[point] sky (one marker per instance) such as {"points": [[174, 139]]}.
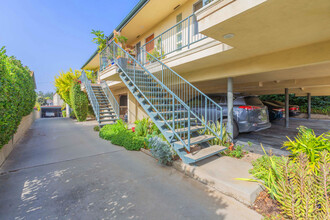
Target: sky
{"points": [[50, 36]]}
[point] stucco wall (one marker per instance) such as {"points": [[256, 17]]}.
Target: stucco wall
{"points": [[22, 129]]}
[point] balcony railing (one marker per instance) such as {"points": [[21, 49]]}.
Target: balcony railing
{"points": [[181, 35]]}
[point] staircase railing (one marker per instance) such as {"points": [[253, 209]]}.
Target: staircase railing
{"points": [[110, 98], [146, 83], [181, 35], [203, 108], [91, 95]]}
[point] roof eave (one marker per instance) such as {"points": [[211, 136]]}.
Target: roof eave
{"points": [[122, 24]]}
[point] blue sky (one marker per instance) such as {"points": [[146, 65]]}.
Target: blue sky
{"points": [[54, 35]]}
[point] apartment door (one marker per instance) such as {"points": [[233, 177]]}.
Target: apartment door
{"points": [[150, 46]]}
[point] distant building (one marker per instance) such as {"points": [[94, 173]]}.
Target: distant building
{"points": [[57, 100]]}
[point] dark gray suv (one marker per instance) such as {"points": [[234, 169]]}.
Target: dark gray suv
{"points": [[250, 114]]}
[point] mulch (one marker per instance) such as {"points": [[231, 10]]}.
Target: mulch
{"points": [[267, 206]]}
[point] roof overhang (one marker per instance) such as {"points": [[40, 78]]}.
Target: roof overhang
{"points": [[122, 24]]}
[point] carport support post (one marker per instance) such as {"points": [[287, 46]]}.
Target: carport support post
{"points": [[230, 100], [286, 107], [309, 103]]}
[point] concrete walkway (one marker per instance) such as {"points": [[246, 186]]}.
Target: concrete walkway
{"points": [[63, 170]]}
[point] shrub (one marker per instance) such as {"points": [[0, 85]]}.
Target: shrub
{"points": [[64, 81], [64, 113], [310, 144], [96, 128], [17, 95], [79, 101], [160, 150], [225, 141], [302, 193], [119, 135], [237, 152], [146, 127]]}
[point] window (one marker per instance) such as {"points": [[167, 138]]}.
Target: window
{"points": [[179, 31], [198, 5]]}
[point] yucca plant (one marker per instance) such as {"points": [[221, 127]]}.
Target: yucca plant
{"points": [[303, 193], [310, 144]]}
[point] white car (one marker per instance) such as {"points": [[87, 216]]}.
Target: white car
{"points": [[50, 114]]}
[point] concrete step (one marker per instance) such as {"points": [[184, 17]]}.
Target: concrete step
{"points": [[205, 153], [196, 140]]}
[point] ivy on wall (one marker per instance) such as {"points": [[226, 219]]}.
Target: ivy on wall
{"points": [[17, 95]]}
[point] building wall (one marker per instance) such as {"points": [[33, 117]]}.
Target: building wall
{"points": [[23, 127], [186, 10], [57, 100]]}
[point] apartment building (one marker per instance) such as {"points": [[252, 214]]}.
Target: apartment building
{"points": [[198, 47]]}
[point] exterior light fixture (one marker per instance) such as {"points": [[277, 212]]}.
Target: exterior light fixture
{"points": [[228, 36]]}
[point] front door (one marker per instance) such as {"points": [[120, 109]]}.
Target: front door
{"points": [[150, 46]]}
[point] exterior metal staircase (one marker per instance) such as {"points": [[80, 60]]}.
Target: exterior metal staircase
{"points": [[177, 108], [105, 106]]}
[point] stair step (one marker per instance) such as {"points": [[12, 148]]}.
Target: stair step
{"points": [[205, 153], [107, 112], [178, 120], [167, 105], [153, 88], [160, 99], [197, 140], [107, 116], [105, 108], [171, 112], [112, 119], [185, 130]]}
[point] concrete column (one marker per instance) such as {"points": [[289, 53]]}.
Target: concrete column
{"points": [[287, 107], [230, 100], [309, 105], [67, 109]]}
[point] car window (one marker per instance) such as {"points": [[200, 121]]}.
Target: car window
{"points": [[252, 100]]}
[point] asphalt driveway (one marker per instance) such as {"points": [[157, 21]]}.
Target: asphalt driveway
{"points": [[63, 170]]}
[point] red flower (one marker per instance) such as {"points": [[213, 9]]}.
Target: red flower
{"points": [[133, 129]]}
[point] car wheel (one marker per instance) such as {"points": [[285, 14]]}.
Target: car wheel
{"points": [[235, 127]]}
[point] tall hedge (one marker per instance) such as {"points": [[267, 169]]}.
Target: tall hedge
{"points": [[79, 101], [17, 95]]}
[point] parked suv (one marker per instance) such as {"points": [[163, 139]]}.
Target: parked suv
{"points": [[250, 114]]}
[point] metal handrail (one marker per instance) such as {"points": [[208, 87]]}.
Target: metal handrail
{"points": [[132, 69], [111, 98], [181, 35], [91, 95], [203, 107]]}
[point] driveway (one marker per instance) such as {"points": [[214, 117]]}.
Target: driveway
{"points": [[273, 138], [63, 170]]}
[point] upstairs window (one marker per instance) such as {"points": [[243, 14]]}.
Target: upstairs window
{"points": [[179, 31]]}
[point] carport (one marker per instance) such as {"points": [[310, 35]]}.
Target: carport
{"points": [[289, 81], [56, 110]]}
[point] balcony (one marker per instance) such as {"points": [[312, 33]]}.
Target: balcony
{"points": [[181, 47]]}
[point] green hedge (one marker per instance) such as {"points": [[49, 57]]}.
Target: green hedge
{"points": [[17, 95], [320, 104], [79, 101], [119, 135]]}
